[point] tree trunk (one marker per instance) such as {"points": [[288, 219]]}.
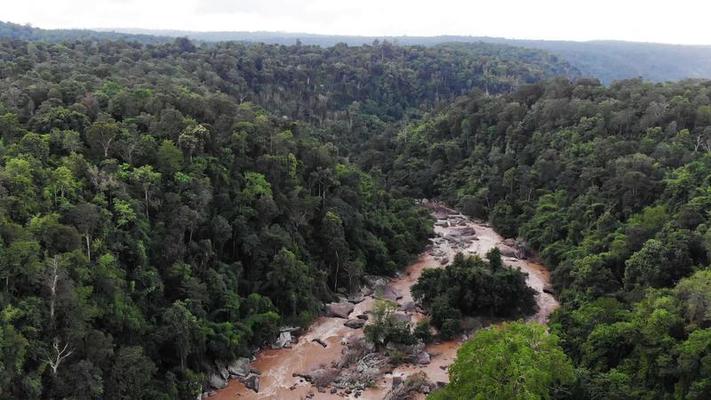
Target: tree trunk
{"points": [[88, 246]]}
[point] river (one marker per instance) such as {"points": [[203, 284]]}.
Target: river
{"points": [[279, 366]]}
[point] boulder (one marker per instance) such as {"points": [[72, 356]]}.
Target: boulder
{"points": [[355, 299], [408, 307], [320, 377], [223, 371], [507, 251], [239, 368], [364, 317], [388, 293], [423, 358], [520, 248], [216, 381], [283, 340], [339, 310], [374, 281], [252, 382], [354, 323]]}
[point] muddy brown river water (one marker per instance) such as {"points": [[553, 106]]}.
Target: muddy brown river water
{"points": [[279, 366]]}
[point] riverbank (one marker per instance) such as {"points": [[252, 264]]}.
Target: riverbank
{"points": [[281, 369]]}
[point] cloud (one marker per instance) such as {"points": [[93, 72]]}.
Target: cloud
{"points": [[684, 21], [269, 7]]}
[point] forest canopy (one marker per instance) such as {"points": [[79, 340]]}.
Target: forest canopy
{"points": [[166, 206], [610, 185]]}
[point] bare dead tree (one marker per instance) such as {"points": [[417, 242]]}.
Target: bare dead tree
{"points": [[52, 281], [59, 355], [702, 142]]}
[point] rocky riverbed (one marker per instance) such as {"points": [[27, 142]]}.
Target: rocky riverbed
{"points": [[331, 359]]}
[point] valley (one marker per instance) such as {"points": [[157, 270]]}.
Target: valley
{"points": [[281, 369]]}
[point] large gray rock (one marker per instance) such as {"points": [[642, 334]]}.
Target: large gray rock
{"points": [[354, 323], [252, 382], [519, 248], [507, 251], [282, 341], [509, 242], [224, 373], [339, 310], [408, 307], [388, 293], [239, 368], [355, 298], [320, 377], [216, 381], [423, 358], [373, 281]]}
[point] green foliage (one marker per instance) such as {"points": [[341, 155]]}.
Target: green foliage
{"points": [[155, 219], [510, 361], [610, 185], [187, 199], [386, 328], [470, 286]]}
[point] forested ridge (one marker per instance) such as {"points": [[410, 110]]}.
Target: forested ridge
{"points": [[610, 185], [166, 207], [607, 60]]}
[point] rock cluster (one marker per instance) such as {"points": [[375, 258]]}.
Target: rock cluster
{"points": [[239, 369]]}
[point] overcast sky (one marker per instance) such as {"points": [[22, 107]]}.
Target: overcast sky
{"points": [[678, 21]]}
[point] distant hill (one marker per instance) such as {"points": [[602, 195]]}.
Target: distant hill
{"points": [[26, 32], [605, 60]]}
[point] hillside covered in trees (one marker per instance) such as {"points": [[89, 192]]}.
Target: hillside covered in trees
{"points": [[607, 60], [611, 186], [165, 207]]}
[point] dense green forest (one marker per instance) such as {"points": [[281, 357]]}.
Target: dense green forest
{"points": [[611, 186], [166, 207], [470, 286], [607, 60]]}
